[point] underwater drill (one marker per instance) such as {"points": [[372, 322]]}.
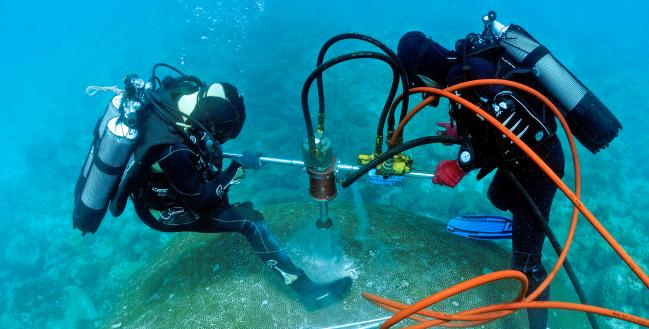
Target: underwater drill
{"points": [[323, 179], [317, 151], [320, 165]]}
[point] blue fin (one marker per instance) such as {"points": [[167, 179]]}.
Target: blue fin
{"points": [[481, 227]]}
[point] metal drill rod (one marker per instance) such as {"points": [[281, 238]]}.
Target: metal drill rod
{"points": [[324, 222], [292, 163], [339, 166]]}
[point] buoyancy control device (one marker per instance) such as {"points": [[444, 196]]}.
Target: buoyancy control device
{"points": [[590, 120], [115, 136]]}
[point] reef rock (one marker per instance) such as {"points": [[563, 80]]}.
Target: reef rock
{"points": [[217, 281]]}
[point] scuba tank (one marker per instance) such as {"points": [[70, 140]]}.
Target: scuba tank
{"points": [[112, 110], [590, 120], [114, 139]]}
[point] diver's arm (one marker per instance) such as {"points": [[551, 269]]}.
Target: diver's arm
{"points": [[178, 164]]}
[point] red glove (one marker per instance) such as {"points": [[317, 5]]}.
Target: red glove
{"points": [[449, 130], [448, 173]]}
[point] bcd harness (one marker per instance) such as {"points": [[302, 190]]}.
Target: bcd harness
{"points": [[527, 122]]}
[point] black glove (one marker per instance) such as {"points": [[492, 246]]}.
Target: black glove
{"points": [[249, 160]]}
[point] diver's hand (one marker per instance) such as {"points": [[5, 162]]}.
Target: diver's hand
{"points": [[448, 173], [249, 160], [240, 174], [449, 130]]}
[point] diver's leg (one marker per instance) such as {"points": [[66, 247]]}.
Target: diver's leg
{"points": [[500, 191], [531, 266], [527, 242], [250, 223]]}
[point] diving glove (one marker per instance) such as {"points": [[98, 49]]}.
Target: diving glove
{"points": [[249, 160], [449, 130], [448, 173]]}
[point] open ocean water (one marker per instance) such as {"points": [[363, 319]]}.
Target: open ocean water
{"points": [[52, 277]]}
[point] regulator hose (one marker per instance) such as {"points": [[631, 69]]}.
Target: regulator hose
{"points": [[172, 115]]}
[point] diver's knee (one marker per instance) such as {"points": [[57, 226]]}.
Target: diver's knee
{"points": [[496, 195], [253, 230], [247, 211]]}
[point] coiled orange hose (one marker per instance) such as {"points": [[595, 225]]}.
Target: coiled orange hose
{"points": [[488, 313]]}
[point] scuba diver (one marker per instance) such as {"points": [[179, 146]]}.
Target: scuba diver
{"points": [[176, 172], [483, 147]]}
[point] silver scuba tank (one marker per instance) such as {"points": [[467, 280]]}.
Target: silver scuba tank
{"points": [[589, 119], [112, 110], [110, 150]]}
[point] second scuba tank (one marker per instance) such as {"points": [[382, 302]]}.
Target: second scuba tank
{"points": [[112, 110], [589, 119], [110, 150]]}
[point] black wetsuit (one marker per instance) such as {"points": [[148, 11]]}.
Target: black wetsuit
{"points": [[190, 202], [493, 151]]}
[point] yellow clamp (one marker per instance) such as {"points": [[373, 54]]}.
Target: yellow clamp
{"points": [[364, 159], [400, 164]]}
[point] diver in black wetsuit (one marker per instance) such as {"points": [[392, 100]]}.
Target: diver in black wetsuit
{"points": [[485, 148], [181, 179]]}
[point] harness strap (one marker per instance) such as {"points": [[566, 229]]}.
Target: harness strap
{"points": [[106, 168], [535, 56]]}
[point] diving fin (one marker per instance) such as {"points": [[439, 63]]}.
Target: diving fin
{"points": [[481, 227]]}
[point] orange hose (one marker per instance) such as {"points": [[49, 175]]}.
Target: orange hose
{"points": [[454, 290], [393, 108], [488, 313]]}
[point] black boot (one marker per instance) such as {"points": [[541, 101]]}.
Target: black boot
{"points": [[315, 295], [312, 295], [538, 318]]}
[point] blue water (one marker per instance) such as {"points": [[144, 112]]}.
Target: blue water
{"points": [[51, 277]]}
